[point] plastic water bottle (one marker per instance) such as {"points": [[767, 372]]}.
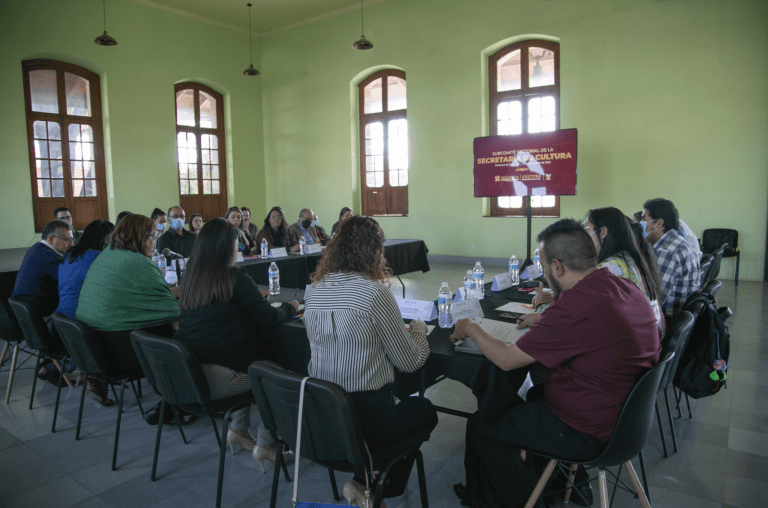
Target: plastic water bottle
{"points": [[479, 274], [537, 259], [154, 256], [444, 305], [302, 245], [514, 270], [469, 285], [161, 264], [264, 248], [274, 279]]}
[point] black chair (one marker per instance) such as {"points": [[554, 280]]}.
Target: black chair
{"points": [[39, 338], [713, 239], [85, 349], [675, 341], [178, 377], [704, 265], [628, 439], [10, 332], [714, 268], [331, 433], [712, 287]]}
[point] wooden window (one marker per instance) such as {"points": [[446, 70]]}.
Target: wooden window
{"points": [[66, 143], [524, 86], [200, 150], [384, 161]]}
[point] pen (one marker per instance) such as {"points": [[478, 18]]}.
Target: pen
{"points": [[295, 293]]}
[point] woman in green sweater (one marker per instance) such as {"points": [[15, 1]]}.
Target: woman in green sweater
{"points": [[125, 291]]}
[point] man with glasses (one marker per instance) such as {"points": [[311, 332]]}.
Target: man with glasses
{"points": [[63, 213], [677, 262], [177, 239]]}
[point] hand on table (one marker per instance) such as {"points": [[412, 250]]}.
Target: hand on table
{"points": [[265, 294], [295, 248], [541, 295], [462, 329], [528, 320], [419, 326], [295, 304]]}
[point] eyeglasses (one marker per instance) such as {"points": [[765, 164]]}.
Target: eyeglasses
{"points": [[275, 217], [176, 216], [68, 240], [65, 217]]}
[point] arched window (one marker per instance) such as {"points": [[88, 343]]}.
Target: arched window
{"points": [[200, 150], [384, 144], [66, 143], [524, 97]]}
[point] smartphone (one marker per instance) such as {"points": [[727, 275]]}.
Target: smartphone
{"points": [[512, 315]]}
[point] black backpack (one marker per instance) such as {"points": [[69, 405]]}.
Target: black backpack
{"points": [[704, 363]]}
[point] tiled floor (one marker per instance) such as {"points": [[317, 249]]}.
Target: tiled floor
{"points": [[723, 458]]}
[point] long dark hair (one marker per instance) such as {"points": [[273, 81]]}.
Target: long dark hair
{"points": [[191, 230], [282, 227], [620, 241], [132, 233], [645, 248], [343, 211], [235, 209], [93, 238], [210, 276], [358, 246]]}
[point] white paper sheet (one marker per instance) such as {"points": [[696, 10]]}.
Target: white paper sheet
{"points": [[515, 307]]}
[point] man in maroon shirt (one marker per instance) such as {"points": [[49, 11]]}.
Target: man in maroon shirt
{"points": [[597, 338]]}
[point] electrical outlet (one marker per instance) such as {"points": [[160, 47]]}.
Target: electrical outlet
{"points": [[473, 248]]}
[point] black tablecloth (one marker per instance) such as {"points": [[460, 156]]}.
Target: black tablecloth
{"points": [[294, 272], [406, 256]]}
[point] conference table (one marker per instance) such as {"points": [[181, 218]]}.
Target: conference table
{"points": [[495, 389]]}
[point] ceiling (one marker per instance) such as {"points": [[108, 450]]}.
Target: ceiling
{"points": [[268, 16]]}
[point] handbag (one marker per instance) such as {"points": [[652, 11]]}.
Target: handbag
{"points": [[297, 456]]}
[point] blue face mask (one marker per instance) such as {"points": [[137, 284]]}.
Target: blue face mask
{"points": [[177, 223], [314, 223], [644, 224], [161, 226]]}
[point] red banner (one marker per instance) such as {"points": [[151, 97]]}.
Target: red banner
{"points": [[526, 164]]}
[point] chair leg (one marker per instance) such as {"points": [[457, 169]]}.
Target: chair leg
{"points": [[223, 447], [157, 440], [117, 425], [34, 380], [138, 398], [603, 488], [571, 477], [80, 413], [422, 479], [645, 478], [216, 430], [178, 423], [138, 382], [671, 423], [542, 482], [661, 430], [688, 403], [13, 371], [61, 369], [636, 484], [56, 407], [678, 397], [5, 352], [738, 260], [276, 473], [333, 485]]}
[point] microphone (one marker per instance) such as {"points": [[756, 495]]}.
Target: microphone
{"points": [[169, 254]]}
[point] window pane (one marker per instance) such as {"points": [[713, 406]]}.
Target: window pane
{"points": [[43, 188], [185, 108], [57, 169], [54, 131], [508, 72], [192, 172], [193, 185], [41, 149], [77, 169], [42, 87], [206, 186], [398, 151], [54, 149], [77, 188], [548, 201], [78, 93], [215, 187], [42, 169], [535, 201], [379, 179], [206, 172], [510, 201], [541, 69], [509, 118], [89, 169], [39, 130], [207, 110], [372, 97], [215, 172], [541, 114], [503, 201], [184, 186], [395, 93], [57, 188]]}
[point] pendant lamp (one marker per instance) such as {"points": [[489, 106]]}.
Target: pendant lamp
{"points": [[250, 71], [105, 39], [363, 43]]}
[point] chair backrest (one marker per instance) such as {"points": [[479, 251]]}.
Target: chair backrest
{"points": [[713, 239], [675, 341], [636, 419], [171, 369], [82, 344], [704, 265], [10, 330], [33, 327], [331, 432], [714, 268], [712, 287]]}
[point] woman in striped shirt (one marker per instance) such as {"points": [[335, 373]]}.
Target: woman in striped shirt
{"points": [[357, 339]]}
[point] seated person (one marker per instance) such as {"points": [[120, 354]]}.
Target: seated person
{"points": [[37, 282], [597, 338], [219, 303], [160, 219], [351, 313], [121, 216], [195, 223], [63, 213], [678, 264], [344, 214], [177, 239], [321, 234], [245, 243], [248, 226], [305, 228], [276, 232], [72, 273], [124, 291]]}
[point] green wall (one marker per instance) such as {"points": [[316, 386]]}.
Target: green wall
{"points": [[155, 50], [668, 97]]}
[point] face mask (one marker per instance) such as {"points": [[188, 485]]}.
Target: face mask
{"points": [[314, 223], [161, 227], [643, 224], [306, 223], [177, 223]]}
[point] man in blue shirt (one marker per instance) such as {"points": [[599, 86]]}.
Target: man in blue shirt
{"points": [[303, 227]]}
